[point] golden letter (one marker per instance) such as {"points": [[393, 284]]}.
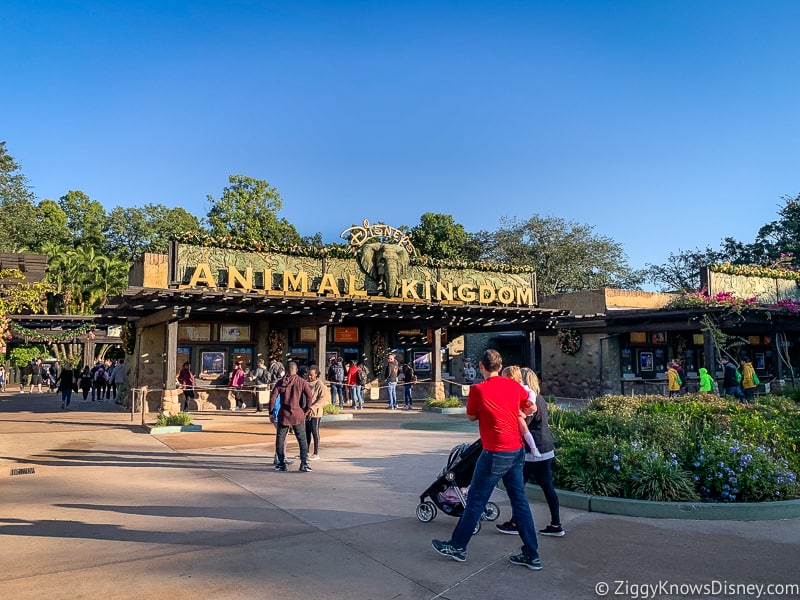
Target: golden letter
{"points": [[409, 287], [352, 288], [444, 293], [202, 274], [486, 294], [525, 296], [505, 294], [235, 276], [328, 284], [466, 292], [295, 281], [428, 290]]}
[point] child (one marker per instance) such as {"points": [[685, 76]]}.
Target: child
{"points": [[514, 373]]}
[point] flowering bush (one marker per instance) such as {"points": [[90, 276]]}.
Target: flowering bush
{"points": [[701, 298], [729, 471], [698, 447]]}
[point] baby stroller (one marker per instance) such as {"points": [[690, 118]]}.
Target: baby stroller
{"points": [[448, 492]]}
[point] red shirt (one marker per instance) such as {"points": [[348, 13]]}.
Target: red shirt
{"points": [[497, 402]]}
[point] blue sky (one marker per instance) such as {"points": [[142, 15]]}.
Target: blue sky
{"points": [[666, 125]]}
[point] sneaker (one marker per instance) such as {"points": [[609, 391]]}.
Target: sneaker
{"points": [[508, 527], [533, 563], [280, 467], [314, 457], [554, 530], [305, 468], [447, 549]]}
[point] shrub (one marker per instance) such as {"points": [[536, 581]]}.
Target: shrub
{"points": [[330, 409], [451, 402], [179, 419], [694, 447]]}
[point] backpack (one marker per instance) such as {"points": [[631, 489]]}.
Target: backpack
{"points": [[262, 377], [338, 373], [361, 377], [738, 376]]}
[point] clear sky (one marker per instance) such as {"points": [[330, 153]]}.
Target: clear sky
{"points": [[667, 125]]}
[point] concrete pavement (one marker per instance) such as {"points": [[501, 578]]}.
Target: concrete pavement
{"points": [[111, 512]]}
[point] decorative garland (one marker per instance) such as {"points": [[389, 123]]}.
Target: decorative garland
{"points": [[336, 251], [128, 337], [755, 271], [570, 341], [378, 352], [39, 336], [276, 343]]}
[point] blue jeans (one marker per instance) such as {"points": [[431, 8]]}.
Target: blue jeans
{"points": [[66, 396], [337, 389], [490, 468], [391, 390], [407, 395], [736, 392], [357, 396]]}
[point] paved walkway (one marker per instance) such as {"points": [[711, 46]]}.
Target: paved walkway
{"points": [[111, 512]]}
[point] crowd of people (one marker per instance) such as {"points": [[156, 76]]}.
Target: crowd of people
{"points": [[104, 381]]}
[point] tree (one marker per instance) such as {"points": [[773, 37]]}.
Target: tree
{"points": [[86, 219], [566, 256], [17, 295], [16, 205], [130, 232], [248, 209], [439, 236], [781, 236], [777, 238]]}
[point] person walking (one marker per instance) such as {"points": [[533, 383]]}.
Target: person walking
{"points": [[409, 379], [186, 379], [356, 393], [2, 378], [38, 372], [320, 396], [706, 381], [295, 399], [237, 383], [673, 381], [749, 379], [538, 469], [64, 382], [730, 381], [85, 383], [259, 377], [336, 378], [118, 381], [495, 403], [390, 373]]}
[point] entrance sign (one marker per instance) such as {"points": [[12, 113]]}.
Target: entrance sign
{"points": [[382, 270]]}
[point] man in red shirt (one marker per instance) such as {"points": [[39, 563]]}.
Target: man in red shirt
{"points": [[495, 404]]}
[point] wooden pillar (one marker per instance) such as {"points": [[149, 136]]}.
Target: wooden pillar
{"points": [[711, 354], [531, 337], [172, 354], [436, 364], [322, 349]]}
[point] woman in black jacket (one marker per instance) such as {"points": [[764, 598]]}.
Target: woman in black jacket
{"points": [[538, 469]]}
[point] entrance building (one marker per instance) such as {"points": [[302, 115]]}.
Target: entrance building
{"points": [[211, 304]]}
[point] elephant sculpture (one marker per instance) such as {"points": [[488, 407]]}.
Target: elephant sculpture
{"points": [[386, 264]]}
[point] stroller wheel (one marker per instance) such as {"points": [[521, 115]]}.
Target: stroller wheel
{"points": [[426, 511], [491, 512], [477, 528]]}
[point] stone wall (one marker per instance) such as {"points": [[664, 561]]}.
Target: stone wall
{"points": [[578, 375]]}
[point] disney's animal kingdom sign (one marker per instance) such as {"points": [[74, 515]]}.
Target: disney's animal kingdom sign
{"points": [[379, 269]]}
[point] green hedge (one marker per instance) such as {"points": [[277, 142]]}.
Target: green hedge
{"points": [[696, 447]]}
